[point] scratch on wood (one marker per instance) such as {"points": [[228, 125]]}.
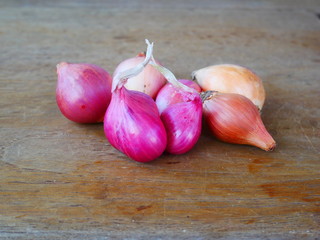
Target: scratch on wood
{"points": [[307, 137], [276, 112], [255, 213], [143, 207], [205, 182], [164, 207]]}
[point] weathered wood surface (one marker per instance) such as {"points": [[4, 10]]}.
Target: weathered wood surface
{"points": [[61, 180]]}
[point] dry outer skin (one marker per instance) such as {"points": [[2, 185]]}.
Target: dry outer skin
{"points": [[61, 180], [230, 78]]}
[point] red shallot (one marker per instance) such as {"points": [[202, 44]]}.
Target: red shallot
{"points": [[132, 122], [180, 107], [83, 91]]}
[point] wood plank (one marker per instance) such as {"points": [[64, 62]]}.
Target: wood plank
{"points": [[62, 180]]}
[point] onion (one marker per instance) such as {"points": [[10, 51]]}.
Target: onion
{"points": [[170, 94], [132, 122], [233, 118], [148, 81], [83, 91], [191, 84], [228, 78], [180, 107]]}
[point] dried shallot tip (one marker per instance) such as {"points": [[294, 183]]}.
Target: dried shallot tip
{"points": [[83, 91], [230, 78], [233, 118]]}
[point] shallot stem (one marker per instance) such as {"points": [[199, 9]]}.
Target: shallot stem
{"points": [[169, 76], [121, 78], [207, 95]]}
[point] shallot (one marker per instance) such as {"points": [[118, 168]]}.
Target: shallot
{"points": [[83, 91], [132, 122], [233, 118], [180, 107], [229, 78], [148, 81]]}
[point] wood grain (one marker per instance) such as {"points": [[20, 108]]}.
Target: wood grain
{"points": [[62, 180]]}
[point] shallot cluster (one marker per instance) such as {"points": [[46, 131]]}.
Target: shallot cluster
{"points": [[146, 111]]}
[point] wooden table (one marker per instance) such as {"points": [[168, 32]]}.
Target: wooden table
{"points": [[62, 180]]}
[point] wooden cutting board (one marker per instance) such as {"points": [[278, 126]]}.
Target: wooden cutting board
{"points": [[62, 180]]}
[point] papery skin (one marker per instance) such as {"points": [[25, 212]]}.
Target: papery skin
{"points": [[149, 81], [191, 84], [230, 78], [233, 118], [132, 125], [83, 91], [170, 94], [181, 113]]}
